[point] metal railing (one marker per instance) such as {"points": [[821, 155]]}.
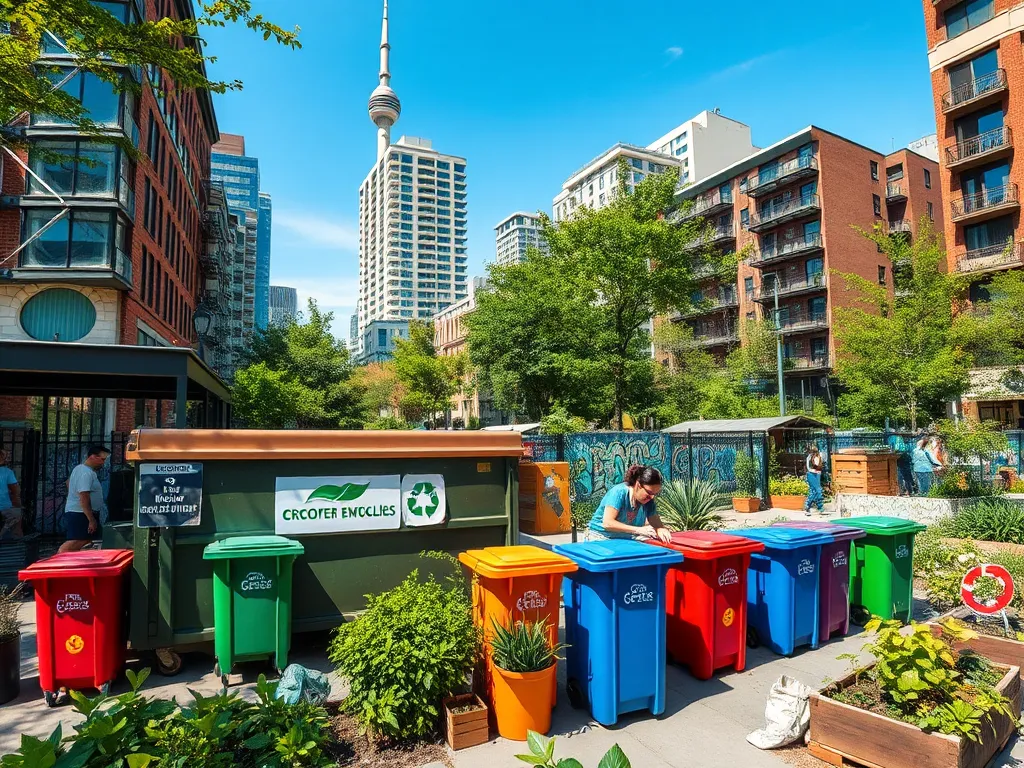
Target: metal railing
{"points": [[777, 175], [893, 190], [990, 257], [767, 289], [704, 204], [781, 211], [980, 145], [803, 363], [901, 225], [716, 235], [784, 251], [804, 321], [711, 337], [963, 94], [712, 304], [987, 198]]}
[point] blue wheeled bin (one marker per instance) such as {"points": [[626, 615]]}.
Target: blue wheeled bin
{"points": [[783, 589], [615, 626]]}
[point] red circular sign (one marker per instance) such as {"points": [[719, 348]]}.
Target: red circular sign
{"points": [[994, 605]]}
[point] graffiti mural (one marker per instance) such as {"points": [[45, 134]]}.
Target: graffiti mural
{"points": [[597, 461]]}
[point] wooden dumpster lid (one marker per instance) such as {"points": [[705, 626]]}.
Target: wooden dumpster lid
{"points": [[250, 444]]}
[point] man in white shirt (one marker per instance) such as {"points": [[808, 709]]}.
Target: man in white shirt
{"points": [[10, 500], [84, 507]]}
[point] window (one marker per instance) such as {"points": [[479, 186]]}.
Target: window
{"points": [[877, 203], [600, 182], [101, 100], [975, 77], [725, 193], [990, 234], [927, 179], [894, 173], [931, 211], [748, 286], [382, 338], [979, 123], [814, 268], [637, 163], [874, 170], [744, 217], [881, 274], [968, 15], [80, 238]]}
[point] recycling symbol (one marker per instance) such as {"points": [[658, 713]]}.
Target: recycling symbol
{"points": [[422, 500]]}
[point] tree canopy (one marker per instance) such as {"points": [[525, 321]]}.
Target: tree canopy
{"points": [[430, 380]]}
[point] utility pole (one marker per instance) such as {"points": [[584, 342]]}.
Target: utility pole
{"points": [[778, 349]]}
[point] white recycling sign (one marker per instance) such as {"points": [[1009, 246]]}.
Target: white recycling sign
{"points": [[423, 500]]}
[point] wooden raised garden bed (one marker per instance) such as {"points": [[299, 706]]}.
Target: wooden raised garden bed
{"points": [[844, 735], [1000, 650], [468, 728]]}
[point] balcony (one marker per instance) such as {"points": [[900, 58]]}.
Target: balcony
{"points": [[991, 258], [715, 237], [977, 93], [704, 269], [768, 181], [116, 274], [706, 206], [806, 364], [789, 210], [766, 292], [801, 322], [985, 204], [711, 304], [899, 226], [895, 192], [717, 336], [802, 246], [980, 149]]}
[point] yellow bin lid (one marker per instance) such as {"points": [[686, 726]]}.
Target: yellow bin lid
{"points": [[509, 562]]}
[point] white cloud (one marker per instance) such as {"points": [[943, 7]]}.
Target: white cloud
{"points": [[672, 53], [315, 229], [747, 65]]}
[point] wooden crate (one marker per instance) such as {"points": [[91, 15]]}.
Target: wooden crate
{"points": [[465, 729], [1001, 650], [873, 473]]}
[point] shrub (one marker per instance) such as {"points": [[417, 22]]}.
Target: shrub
{"points": [[10, 602], [582, 511], [942, 565], [990, 520], [957, 484], [689, 505], [412, 646], [387, 422], [746, 476], [560, 422], [542, 754], [787, 485], [524, 647], [968, 440]]}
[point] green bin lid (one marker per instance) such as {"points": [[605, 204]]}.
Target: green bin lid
{"points": [[884, 526], [252, 546]]}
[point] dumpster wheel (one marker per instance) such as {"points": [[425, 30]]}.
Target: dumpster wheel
{"points": [[572, 690], [50, 697], [753, 639], [168, 662], [859, 615]]}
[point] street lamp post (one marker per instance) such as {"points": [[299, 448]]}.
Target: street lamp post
{"points": [[202, 319], [778, 349]]}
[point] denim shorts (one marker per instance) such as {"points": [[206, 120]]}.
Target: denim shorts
{"points": [[77, 526]]}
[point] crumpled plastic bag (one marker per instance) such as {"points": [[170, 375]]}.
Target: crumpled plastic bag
{"points": [[300, 684], [787, 715]]}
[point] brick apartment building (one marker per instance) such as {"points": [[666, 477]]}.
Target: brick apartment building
{"points": [[794, 205], [122, 261]]}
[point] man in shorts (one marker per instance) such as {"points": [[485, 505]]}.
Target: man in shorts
{"points": [[84, 507], [10, 500]]}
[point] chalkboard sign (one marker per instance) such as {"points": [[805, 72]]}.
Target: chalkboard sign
{"points": [[170, 495]]}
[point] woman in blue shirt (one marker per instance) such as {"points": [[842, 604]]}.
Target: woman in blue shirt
{"points": [[925, 465], [627, 511]]}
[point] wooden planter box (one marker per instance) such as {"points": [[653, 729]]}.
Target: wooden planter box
{"points": [[746, 503], [862, 472], [841, 734], [1001, 650], [788, 502], [465, 729]]}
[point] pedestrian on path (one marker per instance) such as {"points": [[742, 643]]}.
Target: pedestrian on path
{"points": [[925, 465], [10, 500], [904, 464], [814, 464], [84, 508], [627, 511]]}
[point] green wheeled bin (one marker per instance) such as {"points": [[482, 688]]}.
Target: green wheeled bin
{"points": [[252, 599], [882, 571]]}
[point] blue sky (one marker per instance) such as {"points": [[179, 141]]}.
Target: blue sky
{"points": [[528, 91]]}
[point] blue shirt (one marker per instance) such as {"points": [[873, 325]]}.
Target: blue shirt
{"points": [[7, 479], [923, 460], [618, 498]]}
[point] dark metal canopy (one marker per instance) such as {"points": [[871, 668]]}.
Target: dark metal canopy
{"points": [[29, 368]]}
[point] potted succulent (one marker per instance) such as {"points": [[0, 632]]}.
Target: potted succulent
{"points": [[465, 720], [745, 499], [523, 678], [10, 644], [787, 492]]}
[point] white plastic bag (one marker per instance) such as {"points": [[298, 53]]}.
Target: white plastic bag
{"points": [[786, 715]]}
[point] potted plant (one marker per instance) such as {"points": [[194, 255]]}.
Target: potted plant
{"points": [[524, 677], [465, 720], [787, 492], [745, 499], [10, 644], [919, 703]]}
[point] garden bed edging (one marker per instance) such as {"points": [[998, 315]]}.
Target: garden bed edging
{"points": [[920, 509], [1005, 651]]}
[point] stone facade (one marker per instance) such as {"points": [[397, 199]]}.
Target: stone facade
{"points": [[106, 301]]}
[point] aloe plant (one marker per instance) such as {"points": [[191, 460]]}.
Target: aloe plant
{"points": [[524, 646], [689, 505]]}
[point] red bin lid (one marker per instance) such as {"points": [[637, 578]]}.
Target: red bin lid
{"points": [[89, 564], [710, 545]]}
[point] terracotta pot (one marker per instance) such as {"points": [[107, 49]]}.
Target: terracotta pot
{"points": [[746, 503], [788, 502], [522, 701], [10, 669], [465, 729]]}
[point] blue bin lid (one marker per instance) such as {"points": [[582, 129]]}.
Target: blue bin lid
{"points": [[616, 554], [787, 538]]}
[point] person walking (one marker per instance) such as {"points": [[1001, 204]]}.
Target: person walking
{"points": [[925, 465], [814, 465], [904, 464], [10, 500], [84, 508]]}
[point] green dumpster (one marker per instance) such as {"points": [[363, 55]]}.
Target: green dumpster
{"points": [[252, 599], [882, 571]]}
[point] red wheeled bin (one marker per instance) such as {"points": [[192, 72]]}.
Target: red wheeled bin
{"points": [[706, 601], [79, 637]]}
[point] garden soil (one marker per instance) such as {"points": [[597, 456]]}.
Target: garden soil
{"points": [[354, 751]]}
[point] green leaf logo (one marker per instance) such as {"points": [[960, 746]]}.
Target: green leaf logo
{"points": [[423, 500], [346, 492]]}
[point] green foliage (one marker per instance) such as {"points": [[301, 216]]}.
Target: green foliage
{"points": [[560, 422], [473, 422], [942, 566], [787, 485], [747, 476], [542, 753], [387, 422], [957, 484], [223, 730], [900, 359], [582, 512], [968, 440], [430, 380], [10, 604], [524, 647], [412, 646], [689, 505], [297, 376], [992, 330], [999, 520], [381, 394]]}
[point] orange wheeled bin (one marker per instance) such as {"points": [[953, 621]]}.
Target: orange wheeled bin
{"points": [[518, 583], [79, 634], [706, 601]]}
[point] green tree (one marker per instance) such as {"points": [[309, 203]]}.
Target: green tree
{"points": [[561, 422], [305, 369], [381, 393], [430, 380], [899, 359], [992, 328], [105, 46]]}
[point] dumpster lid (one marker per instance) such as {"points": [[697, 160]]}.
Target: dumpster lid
{"points": [[614, 554], [709, 545], [887, 526], [788, 538], [252, 546], [518, 560], [89, 563], [837, 531]]}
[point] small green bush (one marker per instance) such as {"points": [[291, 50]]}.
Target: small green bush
{"points": [[689, 505], [942, 565], [582, 511], [387, 422], [560, 422], [990, 520], [745, 469], [542, 755], [787, 485], [524, 647], [957, 484], [412, 646]]}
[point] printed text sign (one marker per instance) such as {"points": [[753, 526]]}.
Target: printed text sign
{"points": [[170, 495], [337, 504]]}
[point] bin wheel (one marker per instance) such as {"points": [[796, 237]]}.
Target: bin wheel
{"points": [[223, 684], [572, 690], [50, 697], [216, 669], [105, 688], [860, 615], [753, 639], [168, 663]]}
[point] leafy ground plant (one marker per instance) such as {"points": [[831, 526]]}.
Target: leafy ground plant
{"points": [[958, 484], [582, 512], [999, 520], [524, 647], [689, 505], [542, 753], [787, 485], [745, 469]]}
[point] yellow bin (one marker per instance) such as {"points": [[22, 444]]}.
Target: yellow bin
{"points": [[544, 497]]}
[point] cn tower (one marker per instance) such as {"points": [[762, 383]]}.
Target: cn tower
{"points": [[384, 105]]}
